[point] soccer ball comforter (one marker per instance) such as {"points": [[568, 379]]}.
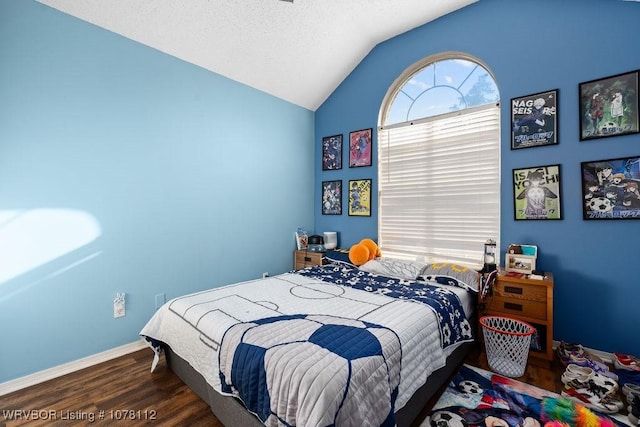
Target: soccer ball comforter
{"points": [[311, 348]]}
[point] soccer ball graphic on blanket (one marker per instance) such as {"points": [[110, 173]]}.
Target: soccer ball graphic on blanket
{"points": [[447, 419], [470, 387], [307, 359]]}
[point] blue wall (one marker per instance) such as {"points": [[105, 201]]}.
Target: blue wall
{"points": [[128, 170], [530, 46], [123, 169]]}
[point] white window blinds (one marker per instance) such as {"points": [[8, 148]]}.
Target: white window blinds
{"points": [[439, 186]]}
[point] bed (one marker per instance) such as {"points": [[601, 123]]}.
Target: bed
{"points": [[326, 345]]}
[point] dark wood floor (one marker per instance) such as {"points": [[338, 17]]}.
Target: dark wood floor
{"points": [[124, 392], [119, 392]]}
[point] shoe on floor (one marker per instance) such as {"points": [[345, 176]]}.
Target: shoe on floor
{"points": [[607, 404], [597, 367], [591, 387], [630, 390], [565, 350], [579, 377], [576, 354], [634, 410], [626, 361]]}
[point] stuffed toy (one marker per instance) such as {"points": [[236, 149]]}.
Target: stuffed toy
{"points": [[364, 251], [372, 246], [560, 412]]}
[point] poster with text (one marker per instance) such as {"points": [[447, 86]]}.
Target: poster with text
{"points": [[360, 146], [609, 106], [537, 192], [360, 197], [534, 120], [610, 188]]}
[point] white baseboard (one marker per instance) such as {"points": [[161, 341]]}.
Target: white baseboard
{"points": [[67, 368]]}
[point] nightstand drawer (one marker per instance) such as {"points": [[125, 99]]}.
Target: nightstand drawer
{"points": [[529, 300], [520, 291], [304, 259], [519, 307]]}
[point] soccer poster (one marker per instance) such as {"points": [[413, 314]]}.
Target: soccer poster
{"points": [[360, 146], [332, 197], [610, 188], [609, 106], [332, 152], [534, 120], [360, 197], [537, 192]]}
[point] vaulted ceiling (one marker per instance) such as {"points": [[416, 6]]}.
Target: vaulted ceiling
{"points": [[298, 50]]}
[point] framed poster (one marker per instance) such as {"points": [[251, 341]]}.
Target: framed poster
{"points": [[610, 188], [332, 197], [609, 106], [536, 193], [534, 120], [360, 143], [360, 197], [332, 152], [301, 238]]}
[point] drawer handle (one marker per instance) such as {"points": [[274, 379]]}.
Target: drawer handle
{"points": [[513, 290], [512, 306], [307, 259]]}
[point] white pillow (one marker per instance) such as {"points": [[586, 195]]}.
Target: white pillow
{"points": [[392, 267]]}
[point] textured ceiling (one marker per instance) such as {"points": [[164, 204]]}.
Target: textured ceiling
{"points": [[299, 51]]}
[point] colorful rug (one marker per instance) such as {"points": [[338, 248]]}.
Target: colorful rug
{"points": [[476, 397]]}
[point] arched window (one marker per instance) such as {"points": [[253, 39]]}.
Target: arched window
{"points": [[439, 161]]}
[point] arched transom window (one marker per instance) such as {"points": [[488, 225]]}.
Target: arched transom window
{"points": [[439, 161]]}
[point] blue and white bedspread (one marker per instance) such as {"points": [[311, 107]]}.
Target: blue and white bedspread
{"points": [[453, 323], [313, 370], [194, 325]]}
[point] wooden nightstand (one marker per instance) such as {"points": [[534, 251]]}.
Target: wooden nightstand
{"points": [[528, 300], [303, 258]]}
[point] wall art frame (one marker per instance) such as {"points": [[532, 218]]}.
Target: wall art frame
{"points": [[609, 106], [360, 148], [611, 188], [537, 193], [332, 152], [332, 197], [520, 263], [360, 197], [534, 120], [302, 239]]}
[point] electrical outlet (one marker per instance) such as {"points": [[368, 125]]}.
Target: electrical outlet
{"points": [[118, 306], [265, 274]]}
